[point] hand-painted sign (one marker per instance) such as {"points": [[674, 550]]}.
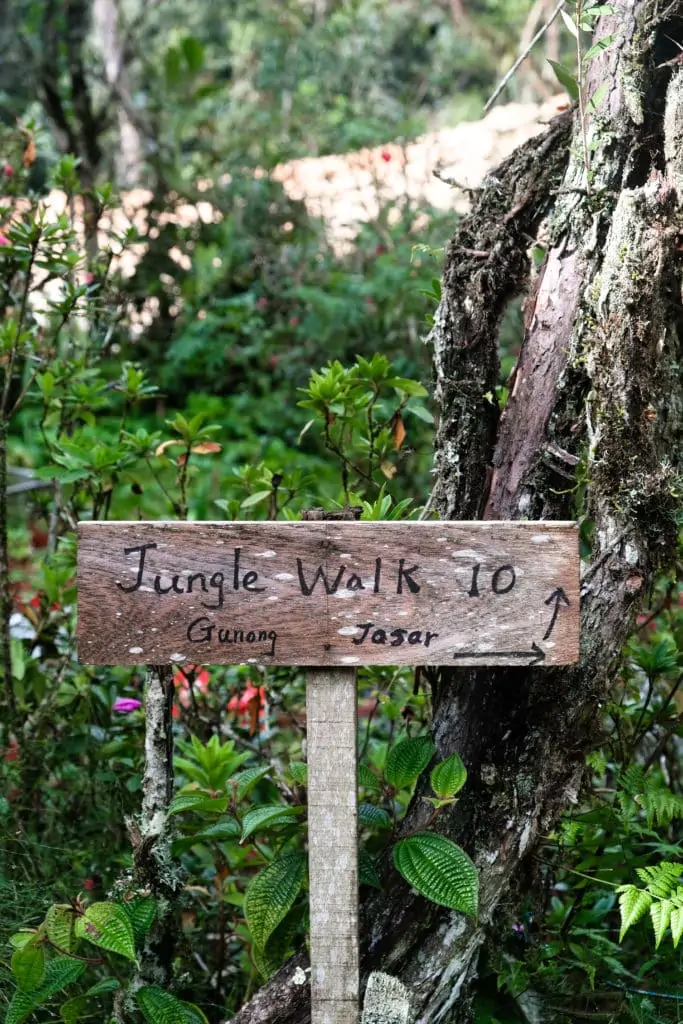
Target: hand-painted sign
{"points": [[328, 593]]}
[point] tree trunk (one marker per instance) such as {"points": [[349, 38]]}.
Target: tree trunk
{"points": [[595, 411]]}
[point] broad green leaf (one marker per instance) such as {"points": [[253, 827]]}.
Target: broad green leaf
{"points": [[255, 499], [271, 895], [298, 771], [200, 802], [59, 973], [373, 817], [633, 903], [220, 831], [107, 926], [660, 914], [140, 912], [267, 817], [676, 925], [21, 939], [159, 1007], [279, 944], [247, 779], [101, 988], [367, 778], [73, 1009], [59, 925], [367, 872], [448, 777], [409, 387], [407, 760], [439, 870], [28, 967], [565, 78], [193, 52]]}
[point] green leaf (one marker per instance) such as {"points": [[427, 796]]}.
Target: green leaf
{"points": [[633, 903], [59, 925], [200, 802], [267, 817], [140, 912], [28, 967], [676, 925], [367, 778], [565, 78], [407, 760], [602, 44], [373, 817], [247, 779], [73, 1009], [660, 914], [298, 771], [254, 499], [159, 1007], [220, 831], [439, 870], [570, 24], [193, 52], [408, 387], [59, 973], [107, 926], [448, 777], [367, 872], [101, 988], [597, 97], [271, 895], [21, 939], [279, 945]]}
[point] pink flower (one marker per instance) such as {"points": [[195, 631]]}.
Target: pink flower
{"points": [[88, 883], [293, 320], [262, 303], [89, 277], [8, 170], [4, 240], [386, 156], [126, 704]]}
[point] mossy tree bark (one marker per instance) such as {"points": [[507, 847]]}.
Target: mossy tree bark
{"points": [[592, 427]]}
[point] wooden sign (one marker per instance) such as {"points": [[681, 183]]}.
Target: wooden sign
{"points": [[328, 593]]}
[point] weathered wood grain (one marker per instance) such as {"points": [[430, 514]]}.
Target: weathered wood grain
{"points": [[328, 593], [333, 844]]}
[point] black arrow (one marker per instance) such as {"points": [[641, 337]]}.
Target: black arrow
{"points": [[559, 597], [532, 657]]}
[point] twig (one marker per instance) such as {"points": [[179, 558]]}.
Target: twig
{"points": [[523, 55]]}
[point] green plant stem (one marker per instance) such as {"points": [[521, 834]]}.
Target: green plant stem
{"points": [[5, 593], [582, 96]]}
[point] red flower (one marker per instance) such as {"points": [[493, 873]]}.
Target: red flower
{"points": [[251, 708], [386, 156], [262, 303], [12, 752], [181, 677], [8, 170], [293, 320], [88, 883]]}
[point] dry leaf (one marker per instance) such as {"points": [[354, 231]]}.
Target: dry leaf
{"points": [[207, 448], [29, 156], [164, 445], [389, 470], [182, 459], [398, 429]]}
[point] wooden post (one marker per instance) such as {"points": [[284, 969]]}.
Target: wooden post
{"points": [[333, 844]]}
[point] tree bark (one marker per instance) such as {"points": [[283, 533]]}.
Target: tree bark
{"points": [[591, 429]]}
